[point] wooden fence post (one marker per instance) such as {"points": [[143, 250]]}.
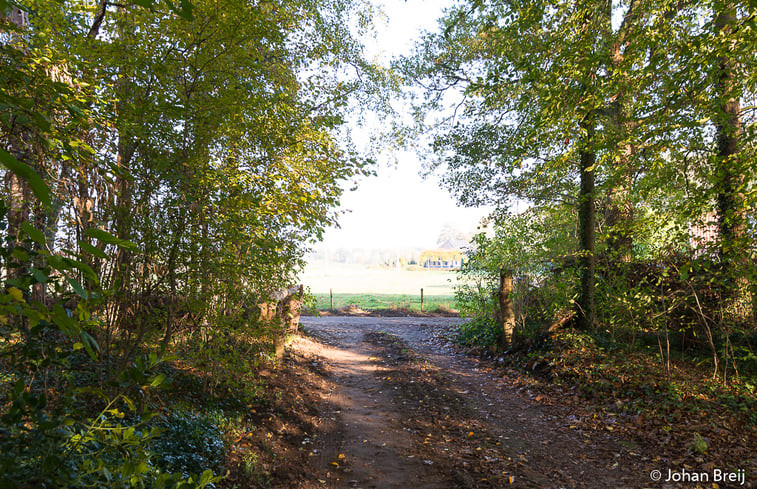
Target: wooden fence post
{"points": [[421, 299], [331, 297]]}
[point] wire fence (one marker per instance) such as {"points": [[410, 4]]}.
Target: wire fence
{"points": [[420, 302]]}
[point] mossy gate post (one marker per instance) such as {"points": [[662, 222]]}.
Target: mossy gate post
{"points": [[285, 308]]}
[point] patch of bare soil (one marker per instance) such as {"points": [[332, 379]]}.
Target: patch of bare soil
{"points": [[362, 443], [482, 437], [466, 428], [328, 423], [280, 451]]}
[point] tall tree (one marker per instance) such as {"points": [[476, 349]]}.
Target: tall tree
{"points": [[729, 162], [533, 78], [202, 153], [704, 71]]}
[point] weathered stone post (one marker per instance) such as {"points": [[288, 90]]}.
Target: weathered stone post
{"points": [[284, 308]]}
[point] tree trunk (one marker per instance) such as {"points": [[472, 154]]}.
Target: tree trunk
{"points": [[619, 212], [127, 145], [19, 145], [585, 308], [618, 217], [124, 209], [505, 310], [729, 177]]}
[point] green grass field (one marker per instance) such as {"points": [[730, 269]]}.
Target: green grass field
{"points": [[373, 302], [379, 288], [351, 279]]}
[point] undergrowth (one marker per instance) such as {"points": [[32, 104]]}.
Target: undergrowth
{"points": [[478, 331], [189, 440], [604, 371]]}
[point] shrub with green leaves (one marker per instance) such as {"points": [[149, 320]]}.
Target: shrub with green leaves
{"points": [[187, 442], [535, 246], [57, 428], [479, 331]]}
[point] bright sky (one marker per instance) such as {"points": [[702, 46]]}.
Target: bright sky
{"points": [[398, 208]]}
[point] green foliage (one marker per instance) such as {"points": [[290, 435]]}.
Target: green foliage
{"points": [[252, 469], [477, 332], [578, 341], [188, 441], [23, 170], [699, 445], [206, 150], [55, 433], [519, 95], [167, 164], [230, 353], [536, 246]]}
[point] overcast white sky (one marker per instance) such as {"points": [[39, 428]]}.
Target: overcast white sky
{"points": [[398, 208]]}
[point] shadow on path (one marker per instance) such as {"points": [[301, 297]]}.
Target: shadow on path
{"points": [[412, 413]]}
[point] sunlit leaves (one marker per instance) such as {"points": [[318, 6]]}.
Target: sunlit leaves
{"points": [[108, 238], [24, 171]]}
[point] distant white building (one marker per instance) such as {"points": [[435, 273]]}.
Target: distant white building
{"points": [[448, 256]]}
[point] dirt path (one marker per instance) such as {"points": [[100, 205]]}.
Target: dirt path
{"points": [[408, 412], [363, 446]]}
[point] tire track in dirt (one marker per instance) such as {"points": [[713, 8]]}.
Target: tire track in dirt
{"points": [[363, 444], [329, 440], [540, 448]]}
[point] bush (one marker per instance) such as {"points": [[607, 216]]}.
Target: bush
{"points": [[59, 426], [187, 442], [479, 331]]}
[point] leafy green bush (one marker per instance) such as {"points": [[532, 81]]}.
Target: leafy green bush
{"points": [[252, 468], [533, 247], [577, 340], [479, 332], [188, 441], [59, 428]]}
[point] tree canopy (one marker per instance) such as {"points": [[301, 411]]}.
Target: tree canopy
{"points": [[167, 165], [632, 117]]}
